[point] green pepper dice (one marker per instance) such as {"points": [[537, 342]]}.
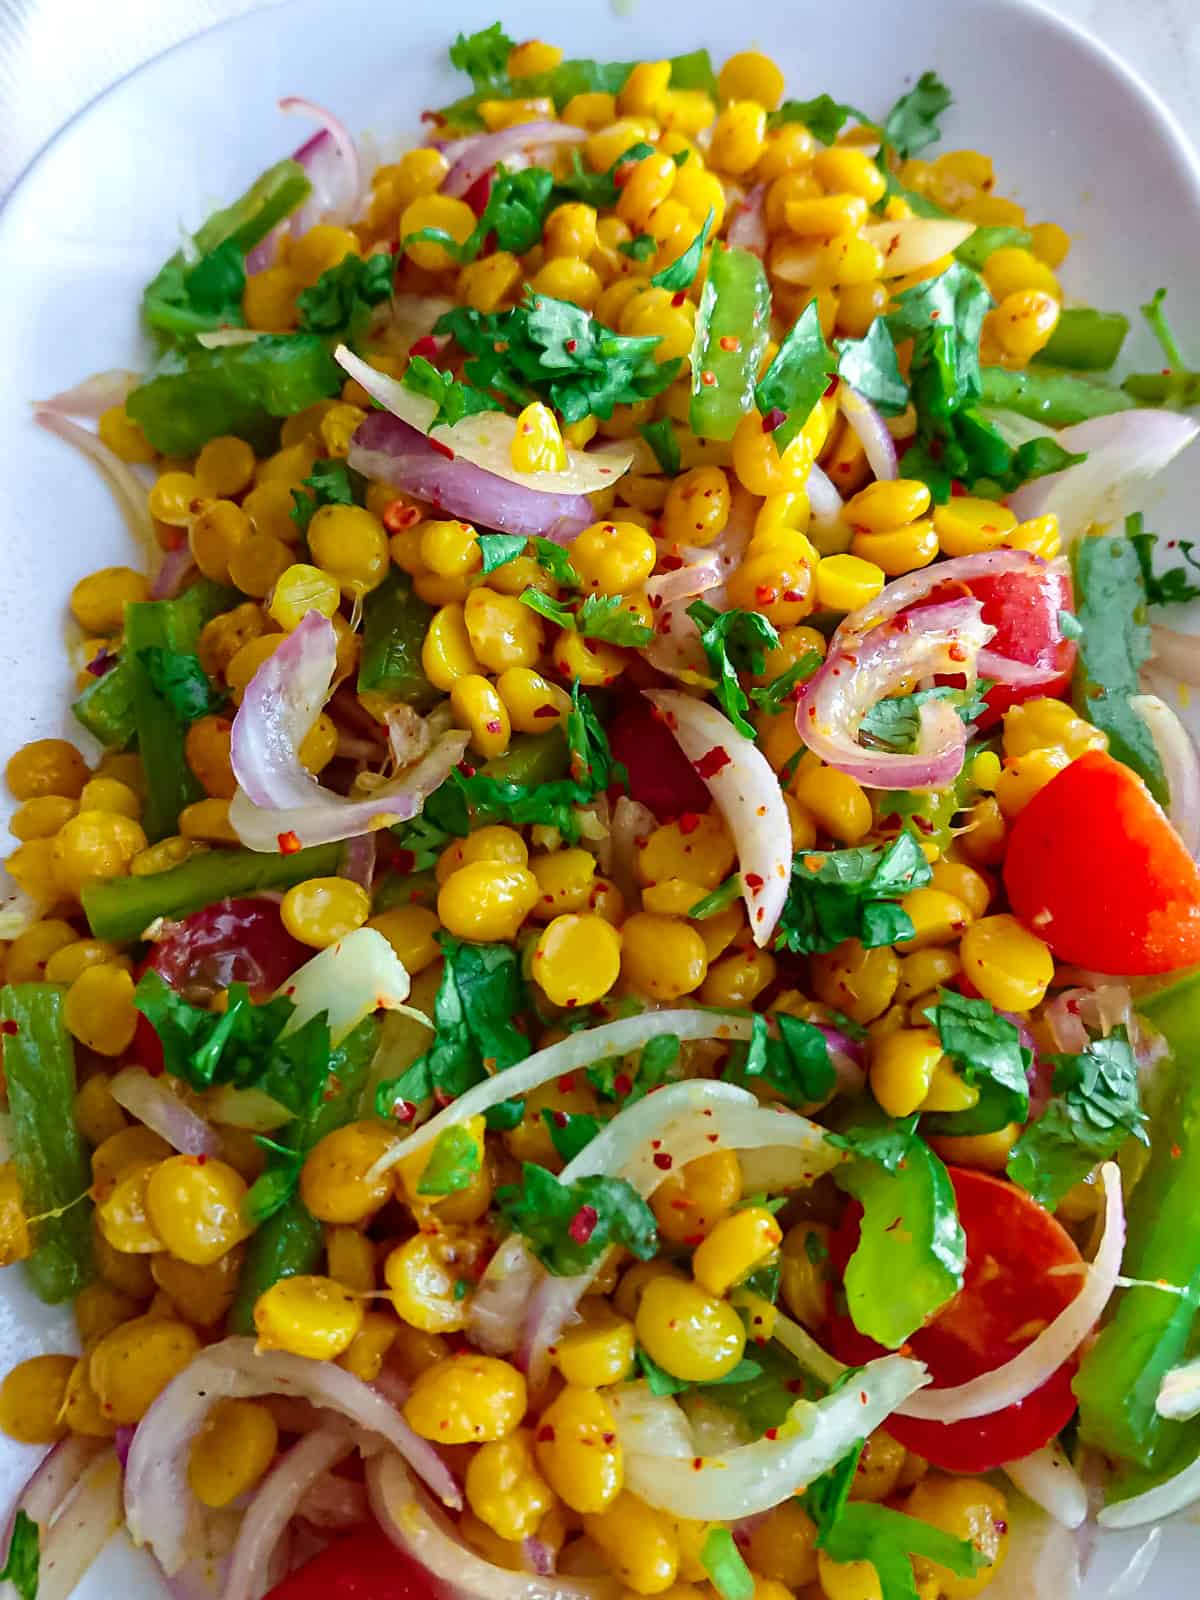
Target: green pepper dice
{"points": [[732, 326]]}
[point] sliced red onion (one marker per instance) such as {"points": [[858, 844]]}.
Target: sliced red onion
{"points": [[910, 590], [1124, 451], [174, 571], [571, 1054], [331, 160], [755, 1477], [334, 1502], [538, 1556], [387, 449], [480, 155], [1057, 1342], [746, 792], [871, 430], [277, 796], [149, 1100], [275, 1503], [159, 1505], [94, 396], [1019, 674], [748, 224], [860, 671], [911, 243], [675, 648], [1180, 763], [129, 490], [1048, 1479], [1176, 654], [414, 1525], [358, 860], [684, 583], [87, 1521], [825, 504], [53, 1479]]}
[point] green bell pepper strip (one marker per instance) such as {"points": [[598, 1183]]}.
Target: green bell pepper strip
{"points": [[105, 708], [974, 250], [1150, 1331], [395, 622], [292, 1241], [52, 1164], [560, 84], [1056, 398], [170, 625], [1180, 389], [735, 307], [1085, 340], [122, 909]]}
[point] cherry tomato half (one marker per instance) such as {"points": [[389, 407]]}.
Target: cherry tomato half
{"points": [[361, 1566], [1008, 1296], [1094, 868], [232, 941], [660, 775]]}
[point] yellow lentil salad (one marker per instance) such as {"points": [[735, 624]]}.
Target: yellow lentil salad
{"points": [[599, 1018]]}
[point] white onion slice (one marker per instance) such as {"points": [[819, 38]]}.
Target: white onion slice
{"points": [[415, 1525], [746, 792], [276, 794], [273, 1506], [94, 395], [1057, 1343], [1180, 763], [349, 980], [331, 160], [861, 670], [571, 1054], [871, 430], [1124, 451], [478, 156], [1050, 1481], [755, 1477], [748, 224], [486, 438], [651, 1424], [129, 490], [825, 504], [159, 1506], [149, 1100], [87, 1521], [1176, 654], [910, 243]]}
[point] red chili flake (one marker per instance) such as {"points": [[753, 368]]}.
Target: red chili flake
{"points": [[730, 341], [609, 1438], [697, 1463], [689, 821], [441, 1099], [656, 1144], [752, 881], [467, 770], [794, 1386], [664, 1161], [766, 594], [693, 1239], [1001, 1528], [425, 346], [9, 1027], [712, 761], [201, 1160], [572, 346], [622, 1084], [404, 1111], [831, 385], [566, 1083], [545, 1434], [679, 297], [863, 1398], [442, 449], [793, 596], [775, 418], [771, 1433], [583, 1224], [542, 713], [1176, 1152], [708, 379], [288, 843], [713, 1138]]}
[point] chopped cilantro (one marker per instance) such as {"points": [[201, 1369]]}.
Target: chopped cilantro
{"points": [[870, 367], [1156, 317], [772, 697], [827, 1498], [552, 558], [599, 189], [725, 1565], [640, 248], [1173, 587], [858, 1530], [851, 894], [796, 1065], [823, 116], [453, 1164], [276, 1185], [179, 679], [692, 70], [184, 300], [570, 1131], [483, 56], [328, 484], [986, 1049], [661, 1382], [733, 641], [798, 375], [680, 273], [912, 122], [569, 1226], [895, 723], [455, 400], [498, 549], [1094, 1110], [504, 1116], [553, 350], [613, 1079], [339, 303], [515, 214], [601, 616], [21, 1564], [660, 436]]}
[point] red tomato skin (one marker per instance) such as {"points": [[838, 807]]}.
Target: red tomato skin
{"points": [[1094, 868], [660, 775], [231, 941], [361, 1566], [1011, 1242]]}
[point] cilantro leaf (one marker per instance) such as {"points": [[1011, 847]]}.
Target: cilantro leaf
{"points": [[275, 1186], [570, 1131], [601, 616], [453, 1164], [823, 116], [600, 189], [516, 208], [184, 300], [723, 895], [1095, 1108], [851, 894], [455, 400], [499, 549], [483, 56], [887, 1539], [554, 559], [480, 994], [180, 680], [912, 123], [986, 1048], [870, 367], [725, 1565], [895, 723], [340, 301], [505, 1115], [640, 248], [1172, 587], [796, 1065], [569, 1226], [613, 1080], [328, 484], [660, 436], [733, 641], [21, 1564], [681, 272], [772, 697], [827, 1498], [798, 375]]}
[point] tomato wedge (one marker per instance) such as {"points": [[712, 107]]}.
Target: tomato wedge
{"points": [[1095, 869], [232, 941], [660, 775], [362, 1566], [1008, 1296]]}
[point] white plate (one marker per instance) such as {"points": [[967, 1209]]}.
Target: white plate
{"points": [[1075, 136]]}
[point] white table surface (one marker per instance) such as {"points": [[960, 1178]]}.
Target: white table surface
{"points": [[57, 55]]}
